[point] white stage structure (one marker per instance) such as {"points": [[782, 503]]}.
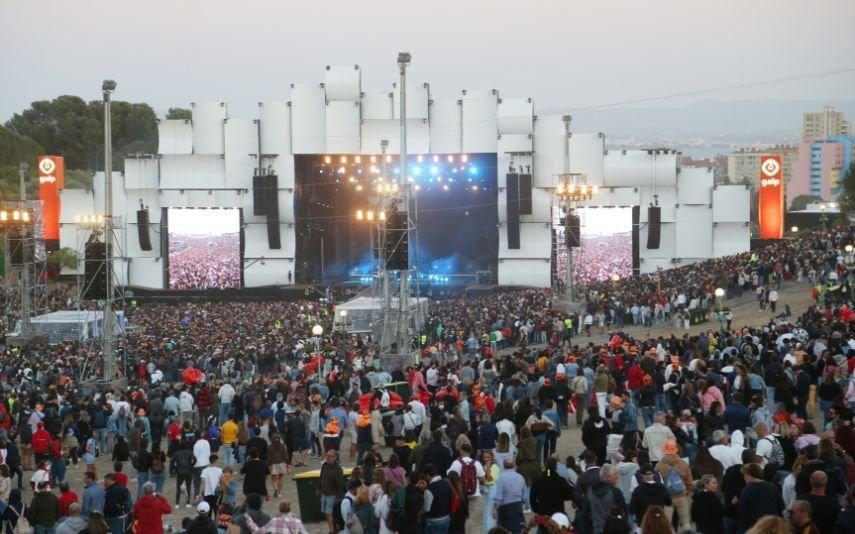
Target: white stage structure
{"points": [[209, 162]]}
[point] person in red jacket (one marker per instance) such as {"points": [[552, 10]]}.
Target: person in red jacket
{"points": [[149, 511], [41, 442], [5, 418], [203, 403], [66, 497]]}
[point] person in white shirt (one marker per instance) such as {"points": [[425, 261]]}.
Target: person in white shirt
{"points": [[432, 378], [209, 481], [347, 503], [185, 404], [419, 410], [721, 451], [202, 452], [507, 427], [226, 395], [457, 467]]}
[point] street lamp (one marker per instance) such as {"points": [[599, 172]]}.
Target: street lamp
{"points": [[343, 315], [719, 295], [794, 229], [318, 331], [572, 189]]}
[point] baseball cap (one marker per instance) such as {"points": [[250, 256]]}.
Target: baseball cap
{"points": [[203, 507], [561, 520]]}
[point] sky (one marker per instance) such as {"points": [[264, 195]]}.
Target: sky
{"points": [[567, 55], [188, 221]]}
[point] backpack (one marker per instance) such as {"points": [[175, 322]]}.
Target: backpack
{"points": [[338, 520], [674, 483], [469, 477], [397, 510], [777, 455]]}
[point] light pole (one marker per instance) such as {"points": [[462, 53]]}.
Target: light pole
{"points": [[849, 260], [822, 218], [26, 251], [318, 331], [719, 295], [343, 315], [570, 191], [107, 89], [402, 336], [794, 229]]}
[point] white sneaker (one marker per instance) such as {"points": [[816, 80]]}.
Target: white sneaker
{"points": [[189, 506]]}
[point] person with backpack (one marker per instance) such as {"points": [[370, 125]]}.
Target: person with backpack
{"points": [[182, 464], [769, 447], [331, 484], [439, 502], [677, 478], [343, 509], [600, 500], [470, 470], [648, 493]]}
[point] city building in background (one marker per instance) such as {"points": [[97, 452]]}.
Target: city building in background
{"points": [[821, 166], [828, 122], [743, 165]]}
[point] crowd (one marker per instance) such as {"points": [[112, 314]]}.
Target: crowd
{"points": [[204, 262], [745, 430]]}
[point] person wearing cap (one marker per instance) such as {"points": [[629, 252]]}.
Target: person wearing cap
{"points": [[648, 493], [681, 499], [150, 509], [203, 523]]}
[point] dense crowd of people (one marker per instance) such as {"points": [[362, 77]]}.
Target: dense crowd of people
{"points": [[197, 262], [221, 403]]}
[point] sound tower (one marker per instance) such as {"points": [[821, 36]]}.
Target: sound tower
{"points": [[142, 229], [513, 210], [525, 194], [16, 251], [654, 222], [572, 229], [636, 224], [272, 204], [95, 271], [264, 188], [397, 242]]}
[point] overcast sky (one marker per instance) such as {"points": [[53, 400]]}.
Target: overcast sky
{"points": [[564, 54]]}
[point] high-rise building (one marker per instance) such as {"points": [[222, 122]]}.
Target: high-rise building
{"points": [[821, 166], [743, 165], [825, 123]]}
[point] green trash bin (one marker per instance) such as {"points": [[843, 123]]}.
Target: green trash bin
{"points": [[307, 487]]}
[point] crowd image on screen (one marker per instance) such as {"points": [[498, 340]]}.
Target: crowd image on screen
{"points": [[722, 428], [603, 258], [204, 262]]}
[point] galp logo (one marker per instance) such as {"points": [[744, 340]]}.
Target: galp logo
{"points": [[770, 167], [46, 169]]}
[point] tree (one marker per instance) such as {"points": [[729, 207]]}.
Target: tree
{"points": [[847, 196], [178, 114], [70, 127], [63, 258], [78, 179], [800, 202]]}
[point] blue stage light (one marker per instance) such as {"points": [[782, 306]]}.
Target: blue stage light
{"points": [[473, 170], [434, 169], [417, 171]]}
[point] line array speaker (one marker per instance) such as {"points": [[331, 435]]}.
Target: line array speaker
{"points": [[525, 194], [572, 229], [95, 271], [512, 194], [654, 223], [264, 189], [142, 229], [397, 242]]}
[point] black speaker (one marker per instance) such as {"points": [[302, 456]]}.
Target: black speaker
{"points": [[16, 251], [273, 241], [95, 271], [264, 191], [636, 225], [142, 229], [572, 229], [397, 242], [525, 194], [513, 210], [654, 222]]}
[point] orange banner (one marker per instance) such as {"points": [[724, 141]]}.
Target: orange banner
{"points": [[51, 178], [771, 208]]}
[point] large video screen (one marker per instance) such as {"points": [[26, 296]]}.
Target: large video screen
{"points": [[204, 248], [454, 207], [606, 250]]}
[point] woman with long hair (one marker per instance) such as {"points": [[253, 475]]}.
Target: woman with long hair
{"points": [[458, 517], [364, 510], [705, 464], [382, 506], [527, 465], [97, 524], [504, 449], [394, 473], [655, 521], [770, 524], [808, 436], [788, 486]]}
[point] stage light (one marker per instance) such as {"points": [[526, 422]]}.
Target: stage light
{"points": [[374, 169], [16, 215], [445, 187], [420, 158], [358, 187], [439, 178], [474, 187], [341, 170], [358, 159], [370, 215], [417, 171], [436, 158], [454, 170], [382, 216], [373, 159], [417, 187], [388, 159], [5, 216], [351, 179], [344, 159], [595, 190], [397, 170], [473, 170], [464, 158], [327, 160], [450, 158], [434, 169], [359, 215]]}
